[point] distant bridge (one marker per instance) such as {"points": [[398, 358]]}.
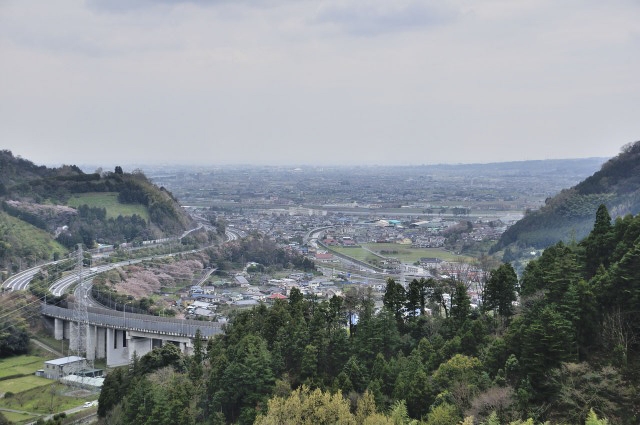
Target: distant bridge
{"points": [[116, 336]]}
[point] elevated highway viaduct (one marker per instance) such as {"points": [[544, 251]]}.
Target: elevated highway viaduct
{"points": [[116, 336]]}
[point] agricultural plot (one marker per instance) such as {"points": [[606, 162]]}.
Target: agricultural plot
{"points": [[20, 385], [20, 365], [19, 418], [109, 201], [355, 252], [404, 253], [49, 396]]}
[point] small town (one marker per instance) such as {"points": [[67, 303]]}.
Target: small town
{"points": [[333, 212]]}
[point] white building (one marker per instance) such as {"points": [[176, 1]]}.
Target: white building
{"points": [[58, 368]]}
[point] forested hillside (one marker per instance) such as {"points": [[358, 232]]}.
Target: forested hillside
{"points": [[569, 215], [17, 316], [567, 351], [36, 220]]}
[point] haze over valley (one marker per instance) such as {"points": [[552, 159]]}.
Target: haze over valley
{"points": [[358, 212]]}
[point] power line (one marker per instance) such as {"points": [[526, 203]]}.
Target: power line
{"points": [[38, 301]]}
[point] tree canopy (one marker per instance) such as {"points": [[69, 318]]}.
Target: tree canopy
{"points": [[566, 349]]}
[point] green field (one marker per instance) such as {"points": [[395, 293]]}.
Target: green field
{"points": [[109, 201], [404, 253], [20, 365], [31, 393], [46, 398], [23, 384], [17, 418]]}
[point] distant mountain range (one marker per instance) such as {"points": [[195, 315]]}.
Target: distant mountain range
{"points": [[571, 213]]}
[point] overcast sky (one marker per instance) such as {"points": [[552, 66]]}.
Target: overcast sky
{"points": [[317, 81]]}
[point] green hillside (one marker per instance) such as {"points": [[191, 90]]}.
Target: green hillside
{"points": [[26, 242], [570, 214], [108, 201], [50, 208]]}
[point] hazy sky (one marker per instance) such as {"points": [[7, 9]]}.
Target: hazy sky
{"points": [[317, 81]]}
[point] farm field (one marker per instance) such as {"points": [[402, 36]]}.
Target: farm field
{"points": [[24, 365], [355, 252], [404, 253], [52, 396], [17, 418], [109, 201], [33, 394], [19, 385]]}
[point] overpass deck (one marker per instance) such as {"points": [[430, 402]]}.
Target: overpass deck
{"points": [[137, 322]]}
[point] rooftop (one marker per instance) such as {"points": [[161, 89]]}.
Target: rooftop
{"points": [[64, 360]]}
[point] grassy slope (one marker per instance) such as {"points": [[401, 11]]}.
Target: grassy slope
{"points": [[22, 235], [109, 201]]}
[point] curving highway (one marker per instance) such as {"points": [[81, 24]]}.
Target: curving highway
{"points": [[20, 281]]}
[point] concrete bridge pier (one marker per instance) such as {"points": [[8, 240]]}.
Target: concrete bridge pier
{"points": [[117, 350], [101, 342], [186, 347], [73, 336], [91, 342], [58, 329], [66, 330], [107, 335], [140, 346]]}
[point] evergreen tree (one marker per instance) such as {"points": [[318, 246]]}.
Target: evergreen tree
{"points": [[246, 382], [598, 245], [542, 339], [139, 402], [500, 291], [394, 300], [412, 386], [115, 386], [416, 297], [460, 306]]}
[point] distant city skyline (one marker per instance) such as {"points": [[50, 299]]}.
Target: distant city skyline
{"points": [[326, 82]]}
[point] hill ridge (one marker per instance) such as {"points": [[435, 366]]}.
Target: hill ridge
{"points": [[39, 197], [570, 214]]}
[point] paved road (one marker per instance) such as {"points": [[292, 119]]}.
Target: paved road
{"points": [[60, 286], [68, 412], [50, 416], [20, 281], [46, 347]]}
